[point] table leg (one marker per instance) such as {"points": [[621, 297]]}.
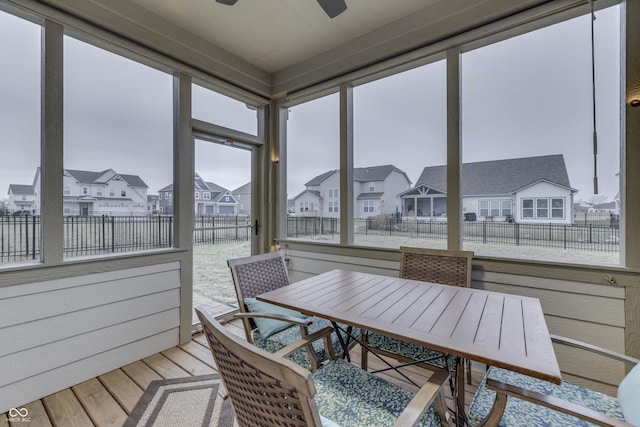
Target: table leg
{"points": [[458, 391], [344, 344]]}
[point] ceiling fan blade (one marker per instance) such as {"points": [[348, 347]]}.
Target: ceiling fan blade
{"points": [[333, 8], [227, 2]]}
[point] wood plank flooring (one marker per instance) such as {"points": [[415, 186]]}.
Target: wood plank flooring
{"points": [[109, 398]]}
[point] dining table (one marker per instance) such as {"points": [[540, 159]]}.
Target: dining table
{"points": [[493, 328]]}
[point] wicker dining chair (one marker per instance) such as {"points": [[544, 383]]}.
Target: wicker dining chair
{"points": [[271, 327], [531, 402], [429, 265], [266, 389]]}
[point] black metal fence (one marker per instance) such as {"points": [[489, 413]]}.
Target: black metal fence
{"points": [[298, 226], [94, 235], [20, 234], [19, 238], [603, 236], [210, 230]]}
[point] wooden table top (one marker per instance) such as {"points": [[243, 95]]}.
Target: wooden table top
{"points": [[508, 331]]}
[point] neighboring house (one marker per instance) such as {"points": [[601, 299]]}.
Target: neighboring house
{"points": [[530, 189], [581, 207], [374, 189], [21, 198], [88, 193], [608, 207], [243, 196], [209, 199], [153, 204], [107, 192]]}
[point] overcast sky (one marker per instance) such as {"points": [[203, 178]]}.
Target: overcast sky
{"points": [[527, 96]]}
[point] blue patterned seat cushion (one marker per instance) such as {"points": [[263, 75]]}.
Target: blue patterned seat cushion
{"points": [[408, 350], [351, 397], [285, 337], [521, 413]]}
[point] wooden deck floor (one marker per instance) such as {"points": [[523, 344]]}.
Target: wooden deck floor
{"points": [[109, 398]]}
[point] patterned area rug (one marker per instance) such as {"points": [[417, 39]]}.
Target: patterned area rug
{"points": [[191, 401]]}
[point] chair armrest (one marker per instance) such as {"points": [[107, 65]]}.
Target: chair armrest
{"points": [[594, 349], [555, 403], [283, 317], [304, 341], [423, 399]]}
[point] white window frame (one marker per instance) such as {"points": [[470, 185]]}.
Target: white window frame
{"points": [[369, 206], [540, 204]]}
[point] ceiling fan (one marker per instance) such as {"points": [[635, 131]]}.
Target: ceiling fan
{"points": [[332, 8]]}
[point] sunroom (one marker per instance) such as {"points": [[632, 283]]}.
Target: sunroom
{"points": [[274, 94]]}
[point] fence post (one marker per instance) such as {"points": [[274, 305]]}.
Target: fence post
{"points": [[113, 234], [565, 236], [484, 232], [517, 229], [26, 234], [33, 237], [104, 234]]}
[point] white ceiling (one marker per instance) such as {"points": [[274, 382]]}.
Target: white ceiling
{"points": [[276, 34]]}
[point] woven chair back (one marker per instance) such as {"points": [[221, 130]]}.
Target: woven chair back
{"points": [[265, 390], [437, 266], [256, 275]]}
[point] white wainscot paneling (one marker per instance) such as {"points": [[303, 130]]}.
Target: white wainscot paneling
{"points": [[61, 332]]}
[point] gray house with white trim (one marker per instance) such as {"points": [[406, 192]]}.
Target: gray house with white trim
{"points": [[209, 199], [530, 189], [374, 189]]}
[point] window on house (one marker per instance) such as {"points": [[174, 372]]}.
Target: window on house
{"points": [[557, 208], [313, 163], [494, 208], [108, 127], [369, 206], [85, 190], [99, 193], [206, 195], [399, 130], [67, 190], [542, 208], [527, 134], [20, 124], [197, 195], [527, 208], [545, 208], [506, 207]]}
